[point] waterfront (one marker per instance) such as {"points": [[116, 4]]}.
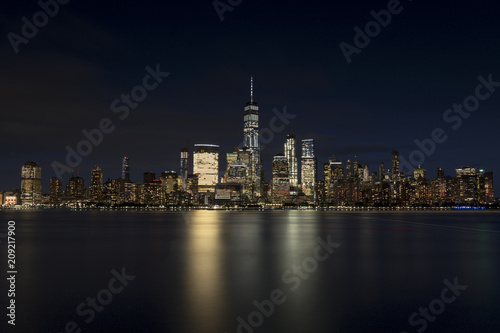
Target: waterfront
{"points": [[198, 271]]}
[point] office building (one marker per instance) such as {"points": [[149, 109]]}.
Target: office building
{"points": [[95, 190], [251, 141], [125, 169], [308, 174], [31, 183], [184, 166], [280, 189], [290, 154], [206, 166]]}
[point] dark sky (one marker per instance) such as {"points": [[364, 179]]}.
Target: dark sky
{"points": [[394, 91]]}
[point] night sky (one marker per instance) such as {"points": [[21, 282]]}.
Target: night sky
{"points": [[395, 90]]}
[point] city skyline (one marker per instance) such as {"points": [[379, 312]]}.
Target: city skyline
{"points": [[244, 166], [252, 139], [395, 91]]}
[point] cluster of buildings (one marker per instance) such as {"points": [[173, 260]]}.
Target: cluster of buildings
{"points": [[244, 181]]}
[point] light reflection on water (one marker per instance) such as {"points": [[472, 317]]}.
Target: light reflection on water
{"points": [[200, 276]]}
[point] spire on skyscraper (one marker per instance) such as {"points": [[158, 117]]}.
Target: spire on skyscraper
{"points": [[251, 88]]}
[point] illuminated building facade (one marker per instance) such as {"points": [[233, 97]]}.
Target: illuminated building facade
{"points": [[95, 189], [290, 154], [419, 174], [229, 194], [230, 159], [395, 165], [308, 172], [125, 169], [238, 173], [206, 166], [55, 190], [280, 189], [170, 181], [251, 141], [76, 188], [184, 166], [31, 183], [192, 184]]}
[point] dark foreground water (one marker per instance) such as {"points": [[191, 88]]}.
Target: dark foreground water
{"points": [[251, 271]]}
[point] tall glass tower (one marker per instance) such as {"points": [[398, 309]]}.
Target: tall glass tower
{"points": [[31, 183], [125, 169], [395, 165], [251, 141], [292, 162], [206, 165], [184, 166], [308, 169]]}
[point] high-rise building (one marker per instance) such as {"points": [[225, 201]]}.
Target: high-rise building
{"points": [[307, 148], [381, 170], [395, 165], [336, 168], [440, 173], [55, 191], [485, 180], [251, 141], [230, 159], [334, 181], [238, 173], [184, 166], [170, 181], [95, 188], [125, 169], [348, 168], [76, 187], [419, 173], [466, 190], [206, 166], [366, 173], [152, 193], [289, 149], [130, 192], [31, 183], [192, 184], [280, 182], [355, 167], [308, 173]]}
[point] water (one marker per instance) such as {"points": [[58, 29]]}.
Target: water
{"points": [[200, 271]]}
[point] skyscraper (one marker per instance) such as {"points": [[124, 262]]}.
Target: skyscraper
{"points": [[230, 159], [336, 168], [251, 141], [170, 181], [76, 188], [348, 168], [308, 169], [125, 169], [31, 183], [419, 173], [96, 184], [184, 167], [55, 191], [395, 165], [381, 170], [206, 166], [291, 157], [280, 182], [467, 184]]}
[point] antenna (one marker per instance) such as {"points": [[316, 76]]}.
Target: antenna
{"points": [[251, 89]]}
